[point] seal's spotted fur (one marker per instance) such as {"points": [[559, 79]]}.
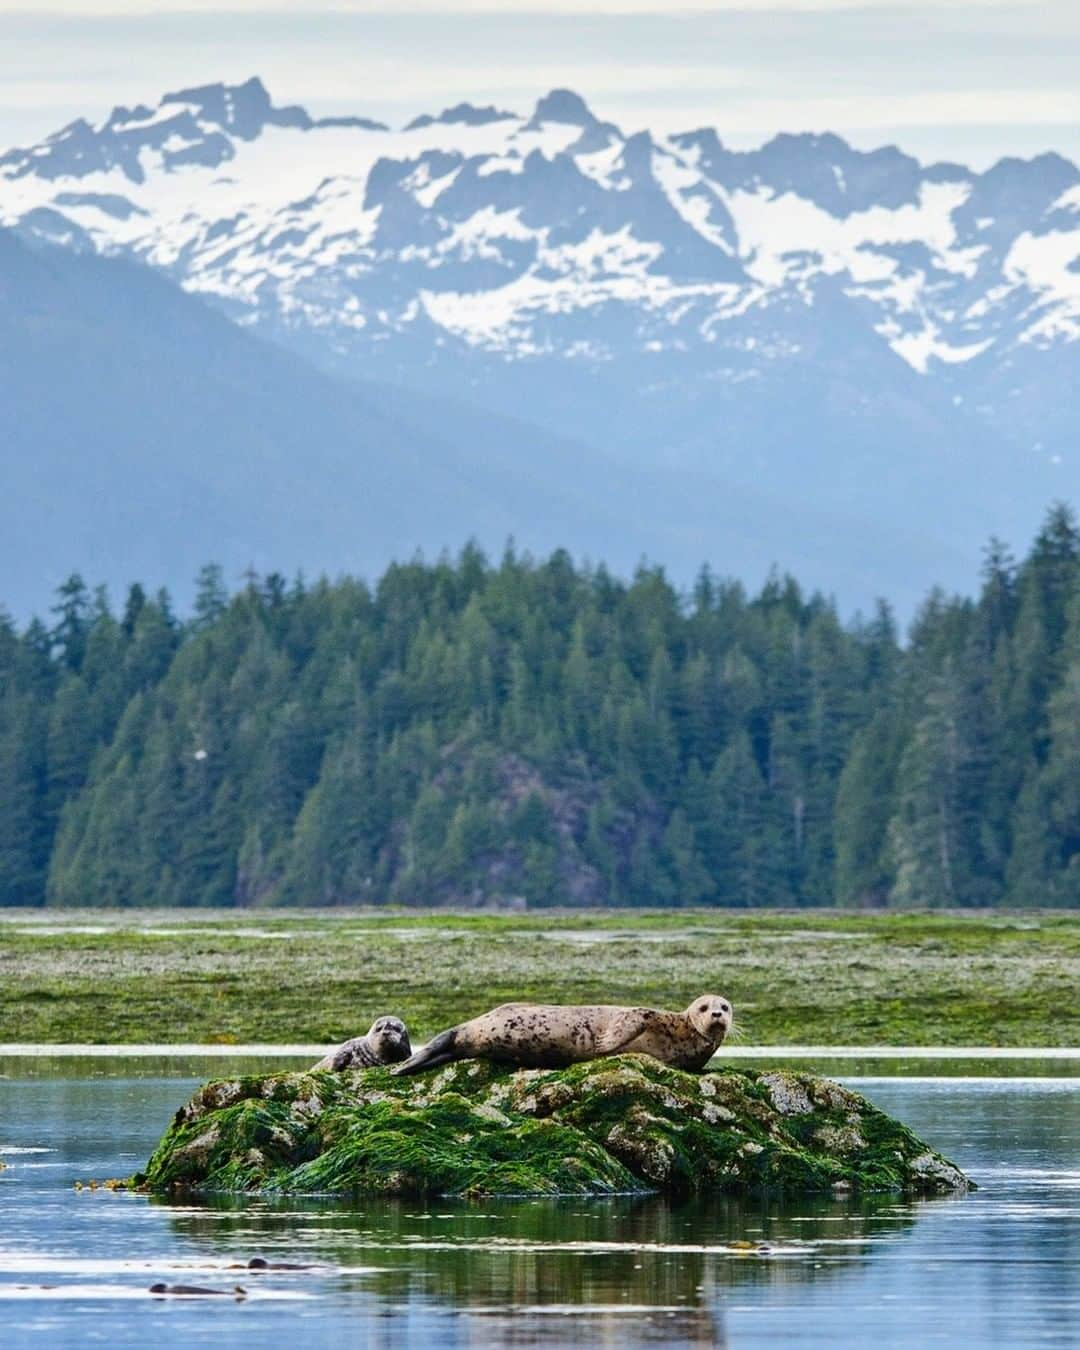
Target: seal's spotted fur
{"points": [[387, 1042], [551, 1035]]}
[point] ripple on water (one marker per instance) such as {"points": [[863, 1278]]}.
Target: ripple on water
{"points": [[48, 1263], [114, 1292], [992, 1267]]}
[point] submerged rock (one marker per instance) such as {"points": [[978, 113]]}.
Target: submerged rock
{"points": [[628, 1123]]}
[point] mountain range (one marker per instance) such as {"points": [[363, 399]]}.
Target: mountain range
{"points": [[849, 363]]}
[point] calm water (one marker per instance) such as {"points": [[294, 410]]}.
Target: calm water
{"points": [[999, 1267]]}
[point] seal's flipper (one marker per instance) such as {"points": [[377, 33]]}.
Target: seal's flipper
{"points": [[624, 1027], [351, 1055], [439, 1050]]}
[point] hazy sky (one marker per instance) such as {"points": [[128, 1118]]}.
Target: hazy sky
{"points": [[961, 79]]}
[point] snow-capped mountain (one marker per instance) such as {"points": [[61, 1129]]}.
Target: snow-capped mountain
{"points": [[805, 317], [495, 229]]}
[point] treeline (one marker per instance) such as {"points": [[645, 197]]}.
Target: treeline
{"points": [[470, 733]]}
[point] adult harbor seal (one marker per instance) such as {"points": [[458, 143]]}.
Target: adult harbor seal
{"points": [[552, 1035], [386, 1042]]}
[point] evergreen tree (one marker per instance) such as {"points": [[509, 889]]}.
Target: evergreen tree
{"points": [[72, 610], [865, 799], [932, 831], [743, 835], [211, 597], [23, 839], [70, 743], [468, 731]]}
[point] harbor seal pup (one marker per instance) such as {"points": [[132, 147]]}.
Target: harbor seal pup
{"points": [[552, 1035], [386, 1042]]}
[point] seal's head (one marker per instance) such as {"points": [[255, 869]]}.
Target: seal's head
{"points": [[713, 1016], [389, 1040]]}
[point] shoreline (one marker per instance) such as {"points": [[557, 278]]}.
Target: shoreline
{"points": [[62, 1050]]}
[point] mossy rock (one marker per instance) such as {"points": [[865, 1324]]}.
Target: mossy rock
{"points": [[622, 1124]]}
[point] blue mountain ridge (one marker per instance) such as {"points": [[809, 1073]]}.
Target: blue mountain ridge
{"points": [[536, 325]]}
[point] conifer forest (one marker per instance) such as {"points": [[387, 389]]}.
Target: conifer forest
{"points": [[533, 732]]}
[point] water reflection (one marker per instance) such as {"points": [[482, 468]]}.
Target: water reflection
{"points": [[562, 1272], [641, 1251], [999, 1266]]}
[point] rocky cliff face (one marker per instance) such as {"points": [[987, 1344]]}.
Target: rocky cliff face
{"points": [[622, 1124]]}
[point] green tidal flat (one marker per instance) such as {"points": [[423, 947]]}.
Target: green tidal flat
{"points": [[205, 976]]}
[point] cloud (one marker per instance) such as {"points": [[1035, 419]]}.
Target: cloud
{"points": [[384, 78], [968, 79], [673, 97], [966, 108]]}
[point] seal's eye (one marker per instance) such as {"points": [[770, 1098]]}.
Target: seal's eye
{"points": [[703, 1007]]}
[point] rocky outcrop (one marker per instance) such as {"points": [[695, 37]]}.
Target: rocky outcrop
{"points": [[622, 1124]]}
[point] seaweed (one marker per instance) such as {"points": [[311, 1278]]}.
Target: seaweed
{"points": [[617, 1125]]}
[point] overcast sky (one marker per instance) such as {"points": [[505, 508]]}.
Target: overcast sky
{"points": [[962, 79]]}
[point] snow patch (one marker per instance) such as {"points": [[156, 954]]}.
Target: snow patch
{"points": [[772, 228], [601, 165], [1048, 265], [918, 349], [428, 190], [691, 194]]}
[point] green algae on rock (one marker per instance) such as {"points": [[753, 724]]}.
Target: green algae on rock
{"points": [[623, 1124]]}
